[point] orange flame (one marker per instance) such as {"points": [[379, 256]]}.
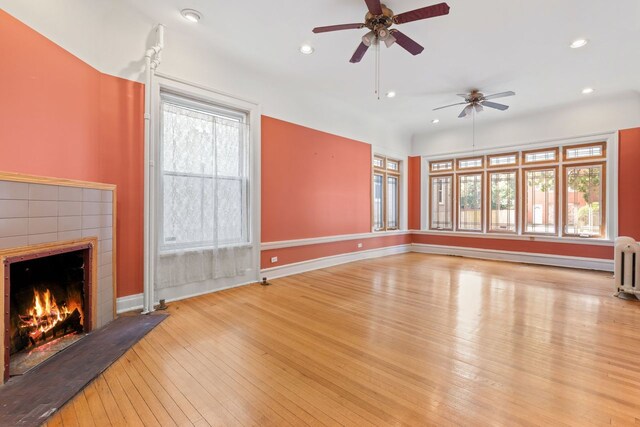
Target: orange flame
{"points": [[44, 314]]}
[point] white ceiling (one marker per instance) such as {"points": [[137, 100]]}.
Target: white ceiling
{"points": [[492, 45]]}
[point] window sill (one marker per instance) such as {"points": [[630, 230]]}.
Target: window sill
{"points": [[190, 249], [532, 238]]}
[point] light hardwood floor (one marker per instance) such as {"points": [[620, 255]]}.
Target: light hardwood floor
{"points": [[404, 340]]}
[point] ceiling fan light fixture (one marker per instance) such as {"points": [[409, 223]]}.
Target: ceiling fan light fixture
{"points": [[391, 94], [306, 49], [578, 43], [191, 15], [369, 38], [435, 121], [588, 90], [390, 40]]}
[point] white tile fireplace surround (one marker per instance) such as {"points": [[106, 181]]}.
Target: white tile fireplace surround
{"points": [[39, 212]]}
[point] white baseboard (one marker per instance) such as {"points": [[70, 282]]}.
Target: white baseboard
{"points": [[330, 261], [523, 257], [129, 303], [134, 302]]}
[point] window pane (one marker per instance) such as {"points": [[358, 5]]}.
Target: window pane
{"points": [[582, 152], [186, 141], [230, 212], [502, 201], [540, 203], [584, 198], [470, 202], [393, 165], [442, 166], [204, 168], [470, 163], [392, 202], [378, 207], [509, 159], [541, 156], [378, 162], [183, 209], [441, 203]]}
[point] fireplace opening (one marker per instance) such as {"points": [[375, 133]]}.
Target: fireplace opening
{"points": [[49, 305]]}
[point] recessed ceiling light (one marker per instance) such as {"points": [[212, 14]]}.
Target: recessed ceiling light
{"points": [[587, 90], [306, 49], [579, 43], [191, 15], [435, 121], [391, 94]]}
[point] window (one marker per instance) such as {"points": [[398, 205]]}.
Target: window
{"points": [[584, 200], [503, 194], [441, 166], [497, 161], [550, 191], [470, 163], [386, 194], [441, 202], [541, 156], [585, 152], [470, 202], [541, 200], [204, 168]]}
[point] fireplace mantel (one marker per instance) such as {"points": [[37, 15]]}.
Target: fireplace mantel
{"points": [[47, 214]]}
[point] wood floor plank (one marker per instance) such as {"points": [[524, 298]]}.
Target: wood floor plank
{"points": [[411, 339]]}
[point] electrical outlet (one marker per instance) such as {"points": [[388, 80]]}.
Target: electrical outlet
{"points": [[274, 259], [359, 245]]}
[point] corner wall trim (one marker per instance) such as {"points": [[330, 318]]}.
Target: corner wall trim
{"points": [[129, 303], [330, 261], [522, 257]]}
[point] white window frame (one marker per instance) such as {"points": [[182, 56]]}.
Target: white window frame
{"points": [[252, 111], [190, 102]]}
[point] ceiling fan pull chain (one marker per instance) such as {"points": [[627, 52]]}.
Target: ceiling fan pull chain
{"points": [[473, 141]]}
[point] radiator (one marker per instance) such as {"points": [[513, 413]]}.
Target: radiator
{"points": [[627, 266]]}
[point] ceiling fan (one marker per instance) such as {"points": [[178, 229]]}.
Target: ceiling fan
{"points": [[476, 100], [379, 19]]}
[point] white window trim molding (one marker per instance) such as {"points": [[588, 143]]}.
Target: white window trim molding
{"points": [[611, 138], [162, 82]]}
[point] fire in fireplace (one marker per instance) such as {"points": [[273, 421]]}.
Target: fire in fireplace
{"points": [[49, 303], [46, 319]]}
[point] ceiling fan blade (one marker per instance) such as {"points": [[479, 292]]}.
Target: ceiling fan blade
{"points": [[499, 95], [495, 105], [423, 13], [374, 7], [359, 53], [464, 95], [452, 105], [337, 28], [407, 43], [467, 110]]}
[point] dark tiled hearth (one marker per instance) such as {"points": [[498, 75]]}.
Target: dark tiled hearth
{"points": [[29, 399]]}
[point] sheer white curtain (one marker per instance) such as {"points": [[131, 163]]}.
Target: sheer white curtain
{"points": [[203, 203]]}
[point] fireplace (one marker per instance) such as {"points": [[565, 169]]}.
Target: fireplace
{"points": [[57, 264], [48, 302]]}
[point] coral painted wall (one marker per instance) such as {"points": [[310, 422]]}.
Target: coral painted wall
{"points": [[415, 176], [314, 184], [60, 117], [628, 182]]}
